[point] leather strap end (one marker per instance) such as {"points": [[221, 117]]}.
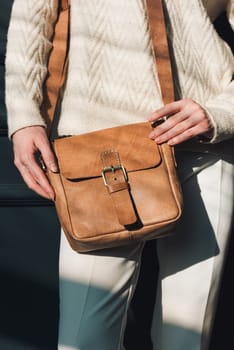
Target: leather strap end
{"points": [[116, 181]]}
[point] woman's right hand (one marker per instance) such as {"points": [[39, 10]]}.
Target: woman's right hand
{"points": [[27, 142]]}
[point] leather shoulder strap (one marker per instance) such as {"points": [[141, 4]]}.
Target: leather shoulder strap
{"points": [[157, 27], [64, 4], [57, 64], [59, 56]]}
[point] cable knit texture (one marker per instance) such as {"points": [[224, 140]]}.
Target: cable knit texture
{"points": [[112, 78], [29, 36]]}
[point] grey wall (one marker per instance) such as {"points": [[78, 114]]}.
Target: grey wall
{"points": [[29, 239]]}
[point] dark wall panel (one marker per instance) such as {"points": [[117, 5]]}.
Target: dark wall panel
{"points": [[29, 243]]}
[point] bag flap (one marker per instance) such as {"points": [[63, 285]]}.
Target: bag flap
{"points": [[80, 156]]}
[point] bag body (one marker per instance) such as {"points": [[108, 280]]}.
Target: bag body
{"points": [[115, 187]]}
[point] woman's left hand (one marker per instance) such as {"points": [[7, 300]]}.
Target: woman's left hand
{"points": [[187, 119]]}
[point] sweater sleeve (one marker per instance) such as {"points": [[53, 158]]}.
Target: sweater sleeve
{"points": [[28, 45], [230, 13], [220, 109]]}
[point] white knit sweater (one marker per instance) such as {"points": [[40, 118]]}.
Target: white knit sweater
{"points": [[112, 78]]}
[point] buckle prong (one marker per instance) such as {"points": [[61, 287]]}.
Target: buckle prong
{"points": [[113, 170]]}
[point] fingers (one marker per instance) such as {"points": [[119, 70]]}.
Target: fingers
{"points": [[187, 120], [47, 155], [26, 143], [36, 183], [166, 110]]}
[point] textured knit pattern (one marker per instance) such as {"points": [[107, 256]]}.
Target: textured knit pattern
{"points": [[111, 71], [112, 78], [29, 37]]}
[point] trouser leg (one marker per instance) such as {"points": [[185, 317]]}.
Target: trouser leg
{"points": [[95, 290], [191, 261]]}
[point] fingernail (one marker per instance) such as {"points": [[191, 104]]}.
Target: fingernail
{"points": [[158, 139], [51, 195], [170, 143], [53, 168]]}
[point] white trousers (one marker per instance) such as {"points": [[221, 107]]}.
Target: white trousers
{"points": [[96, 288]]}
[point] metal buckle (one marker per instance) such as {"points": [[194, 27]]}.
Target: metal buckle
{"points": [[113, 169]]}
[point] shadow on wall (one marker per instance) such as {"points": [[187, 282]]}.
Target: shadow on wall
{"points": [[29, 240], [28, 311]]}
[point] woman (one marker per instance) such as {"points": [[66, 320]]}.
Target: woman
{"points": [[112, 81]]}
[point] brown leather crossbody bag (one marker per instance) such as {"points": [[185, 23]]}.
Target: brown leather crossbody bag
{"points": [[114, 186]]}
